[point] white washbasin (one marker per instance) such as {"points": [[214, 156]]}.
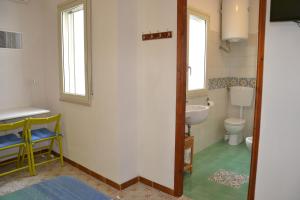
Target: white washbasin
{"points": [[195, 114]]}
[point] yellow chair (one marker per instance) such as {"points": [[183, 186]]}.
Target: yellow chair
{"points": [[11, 141], [42, 135]]}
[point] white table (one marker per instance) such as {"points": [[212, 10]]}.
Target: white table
{"points": [[15, 113]]}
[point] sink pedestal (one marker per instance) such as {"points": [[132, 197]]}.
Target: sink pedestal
{"points": [[189, 130]]}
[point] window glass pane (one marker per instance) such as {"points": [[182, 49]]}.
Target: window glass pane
{"points": [[79, 52], [71, 53], [197, 53], [65, 42], [74, 51]]}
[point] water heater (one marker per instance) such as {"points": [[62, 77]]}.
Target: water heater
{"points": [[235, 20]]}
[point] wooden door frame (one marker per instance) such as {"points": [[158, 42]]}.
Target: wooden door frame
{"points": [[181, 96]]}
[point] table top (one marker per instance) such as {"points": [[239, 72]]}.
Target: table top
{"points": [[14, 113]]}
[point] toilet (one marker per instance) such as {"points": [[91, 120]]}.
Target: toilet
{"points": [[242, 97]]}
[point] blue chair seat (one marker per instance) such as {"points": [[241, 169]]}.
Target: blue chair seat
{"points": [[41, 133], [10, 139]]}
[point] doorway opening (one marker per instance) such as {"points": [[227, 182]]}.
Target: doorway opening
{"points": [[183, 73]]}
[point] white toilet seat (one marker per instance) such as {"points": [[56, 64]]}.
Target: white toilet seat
{"points": [[235, 121], [234, 126]]}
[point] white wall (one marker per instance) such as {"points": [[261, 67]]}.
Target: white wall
{"points": [[278, 174], [129, 129], [127, 88], [19, 67], [133, 107], [103, 136], [157, 92], [131, 123]]}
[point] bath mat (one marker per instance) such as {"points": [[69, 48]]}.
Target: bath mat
{"points": [[61, 188], [229, 178]]}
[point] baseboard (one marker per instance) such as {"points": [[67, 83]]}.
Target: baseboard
{"points": [[91, 173], [156, 186], [100, 177], [110, 182], [129, 183], [123, 185]]}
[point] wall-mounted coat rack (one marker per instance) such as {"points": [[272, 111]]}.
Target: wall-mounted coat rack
{"points": [[157, 36]]}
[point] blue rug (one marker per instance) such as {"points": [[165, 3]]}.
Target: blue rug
{"points": [[60, 188]]}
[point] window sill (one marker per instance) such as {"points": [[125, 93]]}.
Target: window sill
{"points": [[197, 93], [81, 100]]}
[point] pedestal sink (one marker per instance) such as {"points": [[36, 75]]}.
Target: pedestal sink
{"points": [[195, 114]]}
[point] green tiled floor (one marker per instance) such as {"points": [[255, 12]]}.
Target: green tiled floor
{"points": [[210, 160]]}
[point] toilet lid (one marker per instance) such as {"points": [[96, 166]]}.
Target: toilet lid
{"points": [[235, 121]]}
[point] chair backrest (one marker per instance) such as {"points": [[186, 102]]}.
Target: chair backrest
{"points": [[13, 125], [43, 121]]}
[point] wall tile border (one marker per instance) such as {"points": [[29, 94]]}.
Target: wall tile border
{"points": [[227, 82]]}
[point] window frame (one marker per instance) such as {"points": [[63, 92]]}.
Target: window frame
{"points": [[199, 92], [73, 98]]}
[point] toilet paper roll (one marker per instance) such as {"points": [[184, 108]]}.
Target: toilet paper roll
{"points": [[186, 129], [187, 156], [211, 103]]}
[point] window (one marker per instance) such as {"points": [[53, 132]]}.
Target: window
{"points": [[74, 45], [197, 42]]}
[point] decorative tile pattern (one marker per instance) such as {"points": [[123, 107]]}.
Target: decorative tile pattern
{"points": [[252, 82], [247, 82], [229, 178], [233, 81], [227, 82], [217, 83]]}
